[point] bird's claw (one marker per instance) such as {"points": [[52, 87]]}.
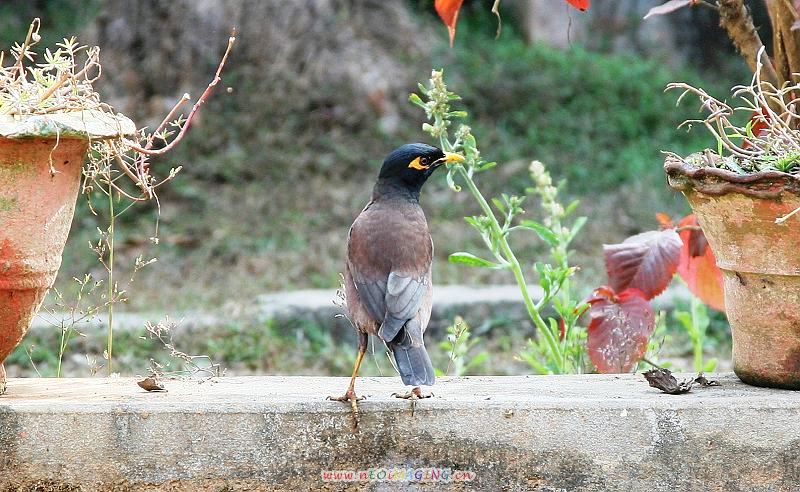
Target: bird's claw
{"points": [[415, 394], [351, 397], [347, 397]]}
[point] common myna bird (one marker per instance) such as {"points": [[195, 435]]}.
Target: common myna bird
{"points": [[388, 273]]}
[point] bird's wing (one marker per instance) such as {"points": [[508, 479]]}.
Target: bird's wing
{"points": [[393, 301], [390, 270], [404, 294], [372, 294]]}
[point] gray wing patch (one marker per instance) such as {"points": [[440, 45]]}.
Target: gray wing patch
{"points": [[373, 296], [404, 295]]}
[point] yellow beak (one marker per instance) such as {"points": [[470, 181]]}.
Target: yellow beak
{"points": [[451, 157]]}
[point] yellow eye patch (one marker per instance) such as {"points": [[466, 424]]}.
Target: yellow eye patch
{"points": [[418, 165]]}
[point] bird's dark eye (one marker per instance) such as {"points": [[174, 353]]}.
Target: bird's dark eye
{"points": [[424, 161]]}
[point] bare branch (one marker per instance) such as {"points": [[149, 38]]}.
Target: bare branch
{"points": [[738, 22], [195, 108]]}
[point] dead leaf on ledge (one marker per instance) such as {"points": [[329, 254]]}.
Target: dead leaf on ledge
{"points": [[150, 384], [664, 380], [703, 381]]}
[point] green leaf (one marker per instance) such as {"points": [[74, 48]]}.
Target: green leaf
{"points": [[558, 305], [500, 206], [686, 320], [544, 277], [711, 364], [571, 207], [471, 260], [478, 360], [576, 228], [730, 161], [544, 232], [474, 221], [451, 182]]}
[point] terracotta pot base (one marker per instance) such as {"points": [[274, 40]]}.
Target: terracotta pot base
{"points": [[17, 309], [39, 181], [766, 342], [41, 157], [760, 261]]}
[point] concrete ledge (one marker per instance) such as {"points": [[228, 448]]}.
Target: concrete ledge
{"points": [[585, 433]]}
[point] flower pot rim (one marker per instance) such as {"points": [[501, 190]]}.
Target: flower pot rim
{"points": [[85, 124], [684, 176]]}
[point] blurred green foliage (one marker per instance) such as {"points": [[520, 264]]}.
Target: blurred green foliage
{"points": [[599, 121], [60, 19], [272, 179]]}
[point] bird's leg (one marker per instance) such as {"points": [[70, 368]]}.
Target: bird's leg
{"points": [[350, 395]]}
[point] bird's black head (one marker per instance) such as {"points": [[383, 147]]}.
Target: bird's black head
{"points": [[407, 167]]}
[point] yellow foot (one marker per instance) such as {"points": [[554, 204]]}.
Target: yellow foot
{"points": [[2, 379], [351, 397]]}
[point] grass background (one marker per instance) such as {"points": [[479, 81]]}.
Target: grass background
{"points": [[265, 200], [239, 223]]}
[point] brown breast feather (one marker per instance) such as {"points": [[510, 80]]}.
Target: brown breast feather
{"points": [[389, 250]]}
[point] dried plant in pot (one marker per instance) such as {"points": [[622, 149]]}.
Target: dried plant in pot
{"points": [[51, 119], [746, 196]]}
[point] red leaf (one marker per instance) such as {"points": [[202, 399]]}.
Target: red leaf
{"points": [[759, 122], [579, 4], [646, 261], [665, 221], [669, 7], [697, 266], [620, 328], [696, 241], [448, 12], [602, 293]]}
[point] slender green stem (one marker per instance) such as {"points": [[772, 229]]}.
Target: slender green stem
{"points": [[497, 235], [516, 269], [697, 336], [562, 255], [565, 295], [110, 342], [61, 349]]}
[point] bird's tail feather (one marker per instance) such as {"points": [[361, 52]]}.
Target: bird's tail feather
{"points": [[413, 364]]}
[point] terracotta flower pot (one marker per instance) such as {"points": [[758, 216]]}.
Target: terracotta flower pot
{"points": [[760, 261], [40, 169]]}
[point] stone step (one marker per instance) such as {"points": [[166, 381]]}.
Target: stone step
{"points": [[501, 303], [489, 305]]}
